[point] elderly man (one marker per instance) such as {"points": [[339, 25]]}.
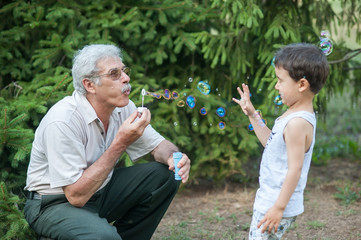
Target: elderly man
{"points": [[75, 191]]}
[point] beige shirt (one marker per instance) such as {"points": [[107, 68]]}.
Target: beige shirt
{"points": [[70, 138]]}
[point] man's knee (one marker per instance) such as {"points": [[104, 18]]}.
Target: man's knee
{"points": [[161, 173]]}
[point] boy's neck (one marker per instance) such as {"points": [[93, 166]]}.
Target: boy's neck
{"points": [[302, 105]]}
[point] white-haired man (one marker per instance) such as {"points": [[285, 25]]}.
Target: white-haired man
{"points": [[75, 191]]}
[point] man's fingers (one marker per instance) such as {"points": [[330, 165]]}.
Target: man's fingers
{"points": [[132, 117]]}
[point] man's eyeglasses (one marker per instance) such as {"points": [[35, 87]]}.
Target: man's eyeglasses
{"points": [[116, 73]]}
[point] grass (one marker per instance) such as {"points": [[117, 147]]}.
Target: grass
{"points": [[195, 227], [347, 195], [315, 224]]}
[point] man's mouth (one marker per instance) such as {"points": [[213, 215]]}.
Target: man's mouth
{"points": [[126, 89]]}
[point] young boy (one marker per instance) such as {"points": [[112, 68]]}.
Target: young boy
{"points": [[301, 70]]}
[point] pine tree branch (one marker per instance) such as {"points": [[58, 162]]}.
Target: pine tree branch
{"points": [[157, 8], [17, 88], [347, 57], [351, 68]]}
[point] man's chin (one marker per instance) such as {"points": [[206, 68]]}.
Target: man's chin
{"points": [[123, 103]]}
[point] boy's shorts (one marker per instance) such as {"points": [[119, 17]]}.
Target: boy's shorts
{"points": [[256, 233]]}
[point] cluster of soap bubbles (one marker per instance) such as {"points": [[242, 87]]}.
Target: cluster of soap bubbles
{"points": [[205, 89], [166, 95], [190, 100], [260, 121], [326, 44]]}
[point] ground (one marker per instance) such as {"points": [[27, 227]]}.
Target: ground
{"points": [[209, 212]]}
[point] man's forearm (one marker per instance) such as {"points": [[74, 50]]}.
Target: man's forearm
{"points": [[92, 178], [163, 151]]}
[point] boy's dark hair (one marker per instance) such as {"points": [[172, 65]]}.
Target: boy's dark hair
{"points": [[303, 60]]}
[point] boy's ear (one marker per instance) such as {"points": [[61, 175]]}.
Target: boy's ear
{"points": [[303, 85], [88, 85]]}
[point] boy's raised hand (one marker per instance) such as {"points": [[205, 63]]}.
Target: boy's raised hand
{"points": [[245, 101]]}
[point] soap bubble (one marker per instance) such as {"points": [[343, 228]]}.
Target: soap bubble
{"points": [[325, 34], [257, 114], [155, 95], [261, 122], [273, 61], [221, 112], [166, 94], [195, 123], [181, 103], [278, 100], [203, 111], [326, 44], [191, 101], [175, 95], [175, 124], [221, 125], [204, 87], [190, 79]]}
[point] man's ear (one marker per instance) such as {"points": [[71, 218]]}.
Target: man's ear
{"points": [[88, 85], [303, 85]]}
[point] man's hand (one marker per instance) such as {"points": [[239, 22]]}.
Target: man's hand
{"points": [[184, 166], [132, 128]]}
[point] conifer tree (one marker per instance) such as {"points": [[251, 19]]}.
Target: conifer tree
{"points": [[12, 222]]}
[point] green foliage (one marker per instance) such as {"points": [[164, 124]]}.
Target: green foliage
{"points": [[338, 130], [337, 146], [347, 195], [12, 222]]}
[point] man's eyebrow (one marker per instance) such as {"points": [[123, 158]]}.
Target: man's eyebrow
{"points": [[115, 69]]}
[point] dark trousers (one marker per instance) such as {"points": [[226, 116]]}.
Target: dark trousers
{"points": [[134, 202]]}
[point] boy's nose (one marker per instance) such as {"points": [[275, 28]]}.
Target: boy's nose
{"points": [[276, 86]]}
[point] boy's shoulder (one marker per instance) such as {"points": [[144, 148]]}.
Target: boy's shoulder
{"points": [[305, 114]]}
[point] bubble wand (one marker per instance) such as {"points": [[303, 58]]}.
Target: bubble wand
{"points": [[140, 109]]}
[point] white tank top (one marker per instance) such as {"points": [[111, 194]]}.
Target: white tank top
{"points": [[274, 166]]}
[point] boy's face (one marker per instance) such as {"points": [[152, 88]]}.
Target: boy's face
{"points": [[286, 86]]}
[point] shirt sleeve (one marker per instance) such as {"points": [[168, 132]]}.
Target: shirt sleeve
{"points": [[145, 144], [65, 153]]}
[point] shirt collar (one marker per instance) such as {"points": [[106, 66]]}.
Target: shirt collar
{"points": [[85, 107]]}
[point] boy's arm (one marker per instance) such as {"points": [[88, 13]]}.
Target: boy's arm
{"points": [[261, 130], [297, 135]]}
